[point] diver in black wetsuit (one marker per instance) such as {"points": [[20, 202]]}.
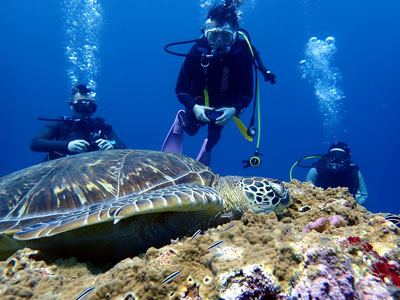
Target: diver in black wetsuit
{"points": [[336, 169], [81, 133], [215, 82]]}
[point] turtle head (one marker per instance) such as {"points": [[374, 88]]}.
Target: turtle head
{"points": [[265, 195], [261, 195]]}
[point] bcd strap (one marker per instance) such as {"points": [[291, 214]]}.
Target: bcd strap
{"points": [[242, 128]]}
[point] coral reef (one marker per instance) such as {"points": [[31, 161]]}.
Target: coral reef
{"points": [[323, 223], [346, 253]]}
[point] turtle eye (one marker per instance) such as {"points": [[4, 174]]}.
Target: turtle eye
{"points": [[279, 189]]}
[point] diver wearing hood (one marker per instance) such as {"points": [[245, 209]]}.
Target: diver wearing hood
{"points": [[215, 82], [336, 169], [80, 133]]}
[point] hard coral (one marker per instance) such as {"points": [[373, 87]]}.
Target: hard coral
{"points": [[251, 284], [368, 288], [328, 275], [192, 293], [380, 266]]}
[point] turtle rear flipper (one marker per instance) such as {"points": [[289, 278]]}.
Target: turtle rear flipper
{"points": [[203, 200]]}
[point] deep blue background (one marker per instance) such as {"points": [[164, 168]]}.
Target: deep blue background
{"points": [[137, 80]]}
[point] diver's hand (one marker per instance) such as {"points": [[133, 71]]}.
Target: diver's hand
{"points": [[227, 114], [78, 146], [268, 76], [200, 112], [104, 144]]}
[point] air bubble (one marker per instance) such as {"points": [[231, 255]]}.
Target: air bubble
{"points": [[330, 40], [83, 24], [317, 68]]}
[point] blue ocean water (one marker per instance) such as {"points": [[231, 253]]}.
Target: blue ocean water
{"points": [[350, 93]]}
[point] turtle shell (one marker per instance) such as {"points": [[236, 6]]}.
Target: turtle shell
{"points": [[63, 186]]}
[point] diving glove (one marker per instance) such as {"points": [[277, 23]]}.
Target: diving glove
{"points": [[227, 114], [268, 76], [200, 112], [78, 146]]}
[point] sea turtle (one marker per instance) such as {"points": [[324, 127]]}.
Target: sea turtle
{"points": [[118, 203]]}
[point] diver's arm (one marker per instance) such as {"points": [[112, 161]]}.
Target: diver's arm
{"points": [[44, 140], [188, 75], [362, 193], [186, 100], [312, 175], [182, 87], [241, 103]]}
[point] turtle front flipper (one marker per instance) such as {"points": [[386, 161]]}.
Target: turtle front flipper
{"points": [[203, 200]]}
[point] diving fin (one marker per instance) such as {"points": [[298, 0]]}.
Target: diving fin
{"points": [[204, 156], [174, 140]]}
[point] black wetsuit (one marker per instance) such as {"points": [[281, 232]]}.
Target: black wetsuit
{"points": [[348, 177], [228, 78], [56, 135]]}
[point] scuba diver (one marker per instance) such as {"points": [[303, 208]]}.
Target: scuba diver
{"points": [[67, 136], [336, 169], [215, 82]]}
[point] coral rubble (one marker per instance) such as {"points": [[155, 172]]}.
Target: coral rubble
{"points": [[324, 246]]}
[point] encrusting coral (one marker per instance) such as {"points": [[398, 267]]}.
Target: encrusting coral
{"points": [[323, 223], [349, 253]]}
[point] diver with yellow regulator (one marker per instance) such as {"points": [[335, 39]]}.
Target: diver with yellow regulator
{"points": [[215, 84]]}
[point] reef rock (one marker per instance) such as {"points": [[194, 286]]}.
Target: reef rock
{"points": [[346, 253]]}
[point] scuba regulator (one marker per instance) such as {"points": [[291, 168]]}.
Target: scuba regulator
{"points": [[255, 160]]}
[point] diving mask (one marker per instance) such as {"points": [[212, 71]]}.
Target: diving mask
{"points": [[337, 159], [84, 106], [220, 35]]}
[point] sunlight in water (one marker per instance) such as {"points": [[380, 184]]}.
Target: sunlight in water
{"points": [[83, 23], [316, 67]]}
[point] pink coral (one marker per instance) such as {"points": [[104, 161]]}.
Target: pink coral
{"points": [[337, 221], [323, 223], [319, 225]]}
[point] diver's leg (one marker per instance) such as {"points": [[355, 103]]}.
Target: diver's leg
{"points": [[214, 134], [192, 125], [184, 121]]}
